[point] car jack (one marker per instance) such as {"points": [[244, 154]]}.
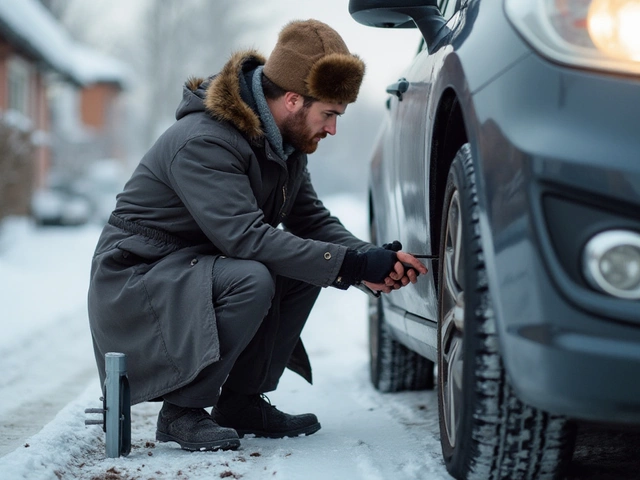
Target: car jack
{"points": [[116, 407]]}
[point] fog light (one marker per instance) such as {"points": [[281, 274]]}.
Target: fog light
{"points": [[611, 263]]}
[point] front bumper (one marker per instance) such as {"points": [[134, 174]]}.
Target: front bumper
{"points": [[549, 132]]}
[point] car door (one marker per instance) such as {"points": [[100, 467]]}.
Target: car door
{"points": [[411, 96]]}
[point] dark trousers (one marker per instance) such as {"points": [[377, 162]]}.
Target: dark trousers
{"points": [[259, 318]]}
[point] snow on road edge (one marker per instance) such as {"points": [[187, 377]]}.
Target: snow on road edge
{"points": [[59, 444]]}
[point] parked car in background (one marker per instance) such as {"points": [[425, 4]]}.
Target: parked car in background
{"points": [[87, 197], [511, 154], [60, 205], [100, 184]]}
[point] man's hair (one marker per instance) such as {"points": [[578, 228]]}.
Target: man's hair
{"points": [[274, 92]]}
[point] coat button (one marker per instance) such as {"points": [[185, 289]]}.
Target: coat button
{"points": [[327, 255], [194, 261]]}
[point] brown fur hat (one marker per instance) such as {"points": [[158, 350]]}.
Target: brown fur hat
{"points": [[311, 59]]}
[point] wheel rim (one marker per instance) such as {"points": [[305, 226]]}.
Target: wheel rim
{"points": [[452, 320]]}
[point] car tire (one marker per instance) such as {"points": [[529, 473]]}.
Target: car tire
{"points": [[394, 368], [486, 432]]}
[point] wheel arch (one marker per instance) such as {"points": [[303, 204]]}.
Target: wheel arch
{"points": [[449, 134], [372, 233]]}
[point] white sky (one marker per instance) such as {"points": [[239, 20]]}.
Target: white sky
{"points": [[385, 52]]}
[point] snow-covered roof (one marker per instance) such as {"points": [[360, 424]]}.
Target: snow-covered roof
{"points": [[92, 66], [29, 25]]}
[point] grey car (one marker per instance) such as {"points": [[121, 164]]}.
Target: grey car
{"points": [[510, 159]]}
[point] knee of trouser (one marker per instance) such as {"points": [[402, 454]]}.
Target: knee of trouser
{"points": [[259, 283]]}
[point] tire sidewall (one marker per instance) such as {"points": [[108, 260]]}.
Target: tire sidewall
{"points": [[461, 180], [498, 436]]}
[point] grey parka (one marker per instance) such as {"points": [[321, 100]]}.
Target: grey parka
{"points": [[210, 186]]}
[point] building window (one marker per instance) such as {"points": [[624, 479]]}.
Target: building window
{"points": [[19, 81]]}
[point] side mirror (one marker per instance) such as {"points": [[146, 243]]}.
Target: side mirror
{"points": [[400, 14]]}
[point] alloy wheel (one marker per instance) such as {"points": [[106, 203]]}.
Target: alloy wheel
{"points": [[452, 318]]}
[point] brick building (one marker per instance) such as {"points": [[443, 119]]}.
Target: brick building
{"points": [[41, 66]]}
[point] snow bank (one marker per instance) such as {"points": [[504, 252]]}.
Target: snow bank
{"points": [[60, 445]]}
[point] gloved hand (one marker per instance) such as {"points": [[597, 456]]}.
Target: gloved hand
{"points": [[371, 266], [377, 265], [395, 246]]}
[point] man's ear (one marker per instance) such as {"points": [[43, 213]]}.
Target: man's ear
{"points": [[293, 101]]}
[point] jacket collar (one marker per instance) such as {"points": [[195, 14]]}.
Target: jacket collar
{"points": [[223, 98]]}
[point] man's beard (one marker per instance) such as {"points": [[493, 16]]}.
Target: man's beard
{"points": [[296, 133]]}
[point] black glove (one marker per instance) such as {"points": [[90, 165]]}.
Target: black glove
{"points": [[378, 264], [395, 246], [372, 266]]}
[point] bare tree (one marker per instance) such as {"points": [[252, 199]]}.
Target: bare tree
{"points": [[56, 7], [182, 39], [166, 41], [163, 42], [71, 14], [16, 169]]}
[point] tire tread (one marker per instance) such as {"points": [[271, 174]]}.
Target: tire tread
{"points": [[399, 369], [508, 439]]}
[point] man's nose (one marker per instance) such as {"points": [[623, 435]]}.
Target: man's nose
{"points": [[331, 126]]}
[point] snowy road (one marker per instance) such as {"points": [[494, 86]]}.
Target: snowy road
{"points": [[42, 376], [45, 358], [48, 362], [47, 367]]}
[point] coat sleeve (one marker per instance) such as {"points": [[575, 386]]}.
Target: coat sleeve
{"points": [[210, 177], [309, 218]]}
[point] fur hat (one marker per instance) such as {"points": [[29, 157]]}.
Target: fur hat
{"points": [[311, 59]]}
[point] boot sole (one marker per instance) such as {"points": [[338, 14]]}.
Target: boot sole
{"points": [[309, 430], [222, 444]]}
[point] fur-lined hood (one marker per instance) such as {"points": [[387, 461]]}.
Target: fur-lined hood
{"points": [[222, 97]]}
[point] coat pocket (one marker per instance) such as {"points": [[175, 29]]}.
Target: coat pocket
{"points": [[144, 250]]}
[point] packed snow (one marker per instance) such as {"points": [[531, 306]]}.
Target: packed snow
{"points": [[49, 378]]}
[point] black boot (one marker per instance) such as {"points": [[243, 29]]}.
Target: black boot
{"points": [[254, 414], [193, 429]]}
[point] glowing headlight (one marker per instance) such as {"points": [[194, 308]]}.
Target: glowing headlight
{"points": [[614, 27], [611, 263], [601, 34]]}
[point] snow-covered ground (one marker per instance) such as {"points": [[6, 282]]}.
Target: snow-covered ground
{"points": [[49, 378]]}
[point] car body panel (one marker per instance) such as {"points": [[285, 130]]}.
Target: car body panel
{"points": [[559, 355], [438, 68], [538, 131]]}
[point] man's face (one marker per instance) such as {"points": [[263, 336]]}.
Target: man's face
{"points": [[304, 128]]}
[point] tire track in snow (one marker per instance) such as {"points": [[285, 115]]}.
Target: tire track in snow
{"points": [[411, 427], [41, 375]]}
